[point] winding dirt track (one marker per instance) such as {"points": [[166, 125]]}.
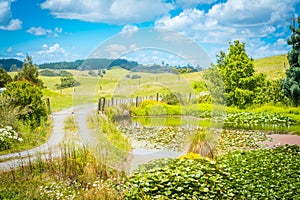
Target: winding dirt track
{"points": [[56, 138]]}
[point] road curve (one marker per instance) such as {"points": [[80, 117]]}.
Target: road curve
{"points": [[52, 145]]}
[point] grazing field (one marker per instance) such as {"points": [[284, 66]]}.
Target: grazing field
{"points": [[274, 67]]}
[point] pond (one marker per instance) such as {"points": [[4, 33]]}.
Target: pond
{"points": [[186, 121], [169, 137]]}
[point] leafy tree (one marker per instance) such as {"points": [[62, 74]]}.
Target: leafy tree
{"points": [[48, 72], [29, 72], [291, 84], [237, 72], [65, 73], [66, 82], [172, 98], [28, 97], [4, 78]]}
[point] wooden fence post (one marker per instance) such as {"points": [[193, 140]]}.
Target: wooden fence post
{"points": [[136, 101], [101, 104], [157, 97]]}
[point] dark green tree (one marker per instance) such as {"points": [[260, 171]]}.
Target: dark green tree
{"points": [[29, 72], [237, 72], [4, 78], [28, 97], [291, 84], [66, 82]]}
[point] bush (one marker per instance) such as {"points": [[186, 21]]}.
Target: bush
{"points": [[92, 73], [135, 76], [28, 97], [65, 73], [48, 72], [172, 98]]}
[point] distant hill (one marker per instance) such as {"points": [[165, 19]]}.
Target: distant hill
{"points": [[274, 67], [90, 64], [11, 64]]}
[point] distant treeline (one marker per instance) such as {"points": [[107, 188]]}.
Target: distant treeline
{"points": [[11, 64], [91, 64], [101, 63]]}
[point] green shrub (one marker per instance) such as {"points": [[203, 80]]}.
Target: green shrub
{"points": [[28, 97], [172, 98]]}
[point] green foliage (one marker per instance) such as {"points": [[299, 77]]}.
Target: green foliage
{"points": [[199, 86], [262, 118], [237, 72], [154, 108], [256, 174], [177, 179], [291, 83], [271, 91], [29, 72], [263, 174], [67, 82], [92, 73], [215, 86], [4, 78], [48, 72], [65, 73], [172, 98], [76, 174], [9, 113], [8, 137], [11, 64], [27, 96]]}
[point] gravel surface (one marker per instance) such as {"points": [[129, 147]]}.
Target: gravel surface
{"points": [[51, 148]]}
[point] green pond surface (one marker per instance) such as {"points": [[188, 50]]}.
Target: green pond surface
{"points": [[192, 121]]}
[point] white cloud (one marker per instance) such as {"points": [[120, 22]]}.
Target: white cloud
{"points": [[20, 54], [107, 11], [281, 42], [52, 50], [5, 12], [14, 24], [39, 31], [6, 21], [187, 18], [58, 30], [250, 12], [129, 30], [246, 20]]}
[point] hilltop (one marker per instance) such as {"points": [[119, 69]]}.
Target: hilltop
{"points": [[274, 66]]}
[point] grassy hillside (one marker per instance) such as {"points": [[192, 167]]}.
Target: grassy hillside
{"points": [[119, 82], [274, 67]]}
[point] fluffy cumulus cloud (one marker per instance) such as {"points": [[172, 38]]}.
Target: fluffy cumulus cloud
{"points": [[129, 30], [247, 20], [39, 31], [108, 11], [53, 50], [6, 20]]}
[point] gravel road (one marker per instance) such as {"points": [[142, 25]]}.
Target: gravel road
{"points": [[81, 113]]}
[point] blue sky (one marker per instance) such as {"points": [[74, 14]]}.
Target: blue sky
{"points": [[64, 30]]}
